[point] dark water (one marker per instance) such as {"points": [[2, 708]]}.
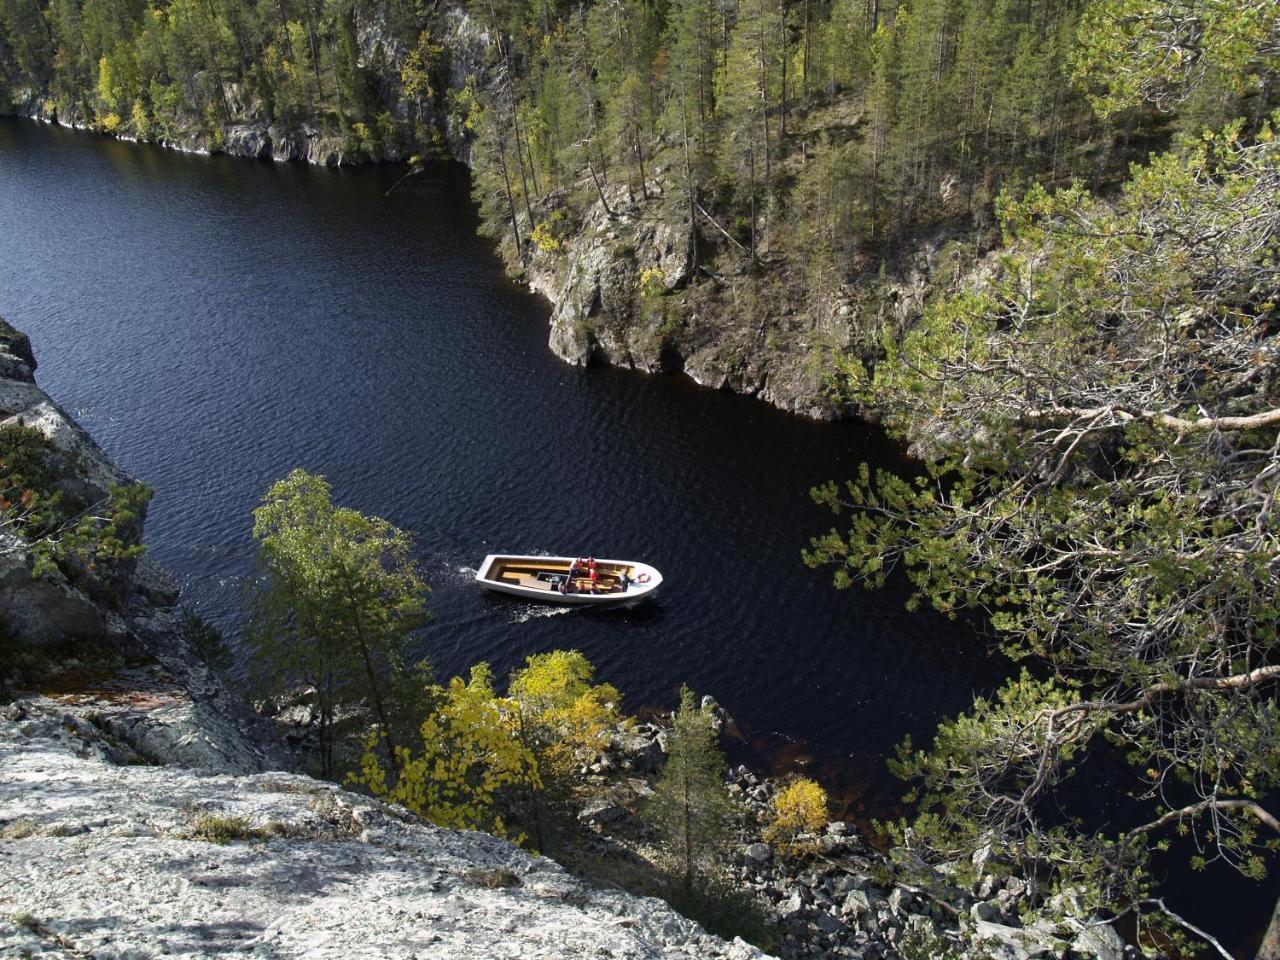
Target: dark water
{"points": [[217, 322]]}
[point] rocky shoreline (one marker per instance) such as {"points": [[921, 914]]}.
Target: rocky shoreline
{"points": [[841, 898], [597, 272]]}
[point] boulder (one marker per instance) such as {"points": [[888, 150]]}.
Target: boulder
{"points": [[856, 904], [899, 900], [1015, 943], [636, 752], [828, 924], [17, 362], [1099, 941], [792, 907], [757, 854], [603, 811]]}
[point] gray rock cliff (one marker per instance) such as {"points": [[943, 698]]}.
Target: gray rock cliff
{"points": [[111, 861]]}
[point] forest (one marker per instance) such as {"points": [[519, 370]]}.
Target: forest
{"points": [[813, 134]]}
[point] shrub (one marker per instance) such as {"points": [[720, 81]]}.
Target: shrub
{"points": [[19, 829], [139, 120], [724, 909], [207, 643], [549, 233], [215, 828], [64, 532], [493, 879], [797, 809]]}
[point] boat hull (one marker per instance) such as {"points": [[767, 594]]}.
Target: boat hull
{"points": [[539, 578]]}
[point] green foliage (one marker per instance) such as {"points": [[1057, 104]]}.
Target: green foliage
{"points": [[1100, 421], [691, 808], [220, 829], [724, 909], [564, 718], [337, 596], [549, 234], [207, 643], [64, 531], [1157, 51], [496, 879]]}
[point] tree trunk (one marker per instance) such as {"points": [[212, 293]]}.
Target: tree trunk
{"points": [[213, 62], [1269, 949], [782, 29], [764, 100], [635, 141], [511, 203], [374, 693], [688, 176], [754, 260], [804, 73], [600, 192], [688, 839]]}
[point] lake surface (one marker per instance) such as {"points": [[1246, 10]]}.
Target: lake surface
{"points": [[216, 322]]}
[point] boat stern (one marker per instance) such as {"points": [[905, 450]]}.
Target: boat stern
{"points": [[485, 570]]}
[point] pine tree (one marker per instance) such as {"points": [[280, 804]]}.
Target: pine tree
{"points": [[691, 807]]}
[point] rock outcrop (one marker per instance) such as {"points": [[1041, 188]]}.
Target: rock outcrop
{"points": [[109, 860], [52, 608]]}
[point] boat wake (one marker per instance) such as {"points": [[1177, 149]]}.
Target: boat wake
{"points": [[525, 614]]}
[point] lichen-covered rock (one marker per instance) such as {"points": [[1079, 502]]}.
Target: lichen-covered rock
{"points": [[103, 860]]}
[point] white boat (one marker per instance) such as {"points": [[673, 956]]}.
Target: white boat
{"points": [[568, 579]]}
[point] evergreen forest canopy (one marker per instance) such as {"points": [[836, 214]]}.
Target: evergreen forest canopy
{"points": [[804, 131], [1101, 416]]}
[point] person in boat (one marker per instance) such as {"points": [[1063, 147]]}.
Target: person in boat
{"points": [[594, 575], [624, 579]]}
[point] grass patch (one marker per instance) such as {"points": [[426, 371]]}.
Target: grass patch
{"points": [[19, 829], [215, 828], [493, 879], [288, 831]]}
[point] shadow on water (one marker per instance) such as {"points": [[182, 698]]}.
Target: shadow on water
{"points": [[217, 322]]}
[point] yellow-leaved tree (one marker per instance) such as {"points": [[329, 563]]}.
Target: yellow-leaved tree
{"points": [[564, 717], [564, 720], [796, 812], [471, 754]]}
